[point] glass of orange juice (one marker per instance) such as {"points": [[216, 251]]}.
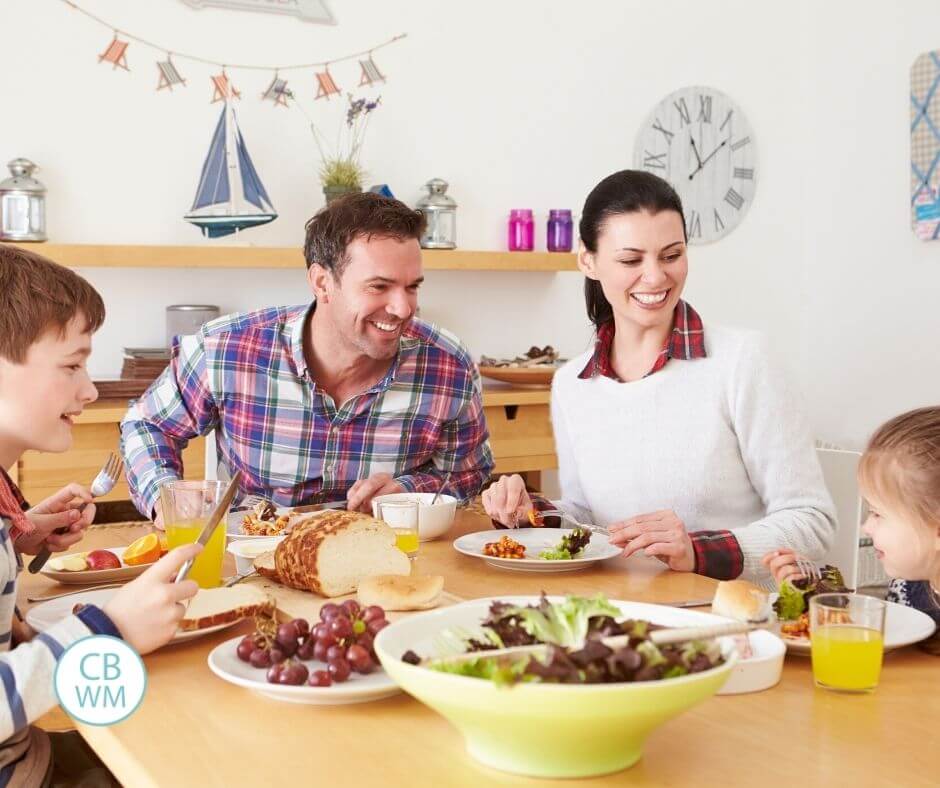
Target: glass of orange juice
{"points": [[402, 518], [186, 505], [846, 641]]}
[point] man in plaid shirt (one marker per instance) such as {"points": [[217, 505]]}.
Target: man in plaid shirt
{"points": [[345, 398]]}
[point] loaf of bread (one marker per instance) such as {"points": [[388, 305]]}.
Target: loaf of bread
{"points": [[214, 606], [329, 553]]}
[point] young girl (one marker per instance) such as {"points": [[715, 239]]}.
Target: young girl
{"points": [[899, 477]]}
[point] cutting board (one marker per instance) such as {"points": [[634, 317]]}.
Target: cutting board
{"points": [[293, 603]]}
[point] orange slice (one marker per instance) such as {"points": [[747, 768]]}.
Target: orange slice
{"points": [[145, 550], [164, 546]]}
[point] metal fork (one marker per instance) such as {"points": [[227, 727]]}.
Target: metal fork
{"points": [[597, 529], [103, 484], [808, 569]]}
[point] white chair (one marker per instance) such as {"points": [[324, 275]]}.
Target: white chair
{"points": [[859, 566]]}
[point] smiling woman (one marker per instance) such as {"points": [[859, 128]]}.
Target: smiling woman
{"points": [[685, 442]]}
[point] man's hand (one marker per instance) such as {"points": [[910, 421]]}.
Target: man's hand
{"points": [[360, 495], [661, 534], [148, 609], [61, 510]]}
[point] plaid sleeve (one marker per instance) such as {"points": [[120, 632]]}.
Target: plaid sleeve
{"points": [[717, 554], [463, 449], [178, 406]]}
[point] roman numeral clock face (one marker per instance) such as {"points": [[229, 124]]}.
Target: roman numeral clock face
{"points": [[699, 140]]}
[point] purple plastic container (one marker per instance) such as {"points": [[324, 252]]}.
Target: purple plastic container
{"points": [[521, 230], [559, 235]]}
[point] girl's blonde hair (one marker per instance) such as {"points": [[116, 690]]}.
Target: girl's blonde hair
{"points": [[901, 465]]}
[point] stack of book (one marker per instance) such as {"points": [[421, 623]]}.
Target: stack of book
{"points": [[142, 365]]}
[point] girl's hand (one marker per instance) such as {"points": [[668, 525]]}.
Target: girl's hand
{"points": [[782, 564], [64, 509], [148, 610], [661, 534], [507, 501]]}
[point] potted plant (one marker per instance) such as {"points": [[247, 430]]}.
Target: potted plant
{"points": [[340, 170]]}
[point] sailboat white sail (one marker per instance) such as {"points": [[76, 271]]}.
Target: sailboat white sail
{"points": [[218, 209]]}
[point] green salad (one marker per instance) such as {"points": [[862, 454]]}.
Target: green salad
{"points": [[570, 546]]}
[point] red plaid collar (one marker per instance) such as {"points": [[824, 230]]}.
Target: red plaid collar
{"points": [[13, 506], [686, 342]]}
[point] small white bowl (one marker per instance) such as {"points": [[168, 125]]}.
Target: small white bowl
{"points": [[762, 670], [433, 521], [246, 551]]}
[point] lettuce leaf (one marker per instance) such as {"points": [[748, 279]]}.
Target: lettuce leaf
{"points": [[563, 623], [790, 603]]}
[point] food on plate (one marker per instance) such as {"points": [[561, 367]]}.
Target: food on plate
{"points": [[573, 629], [263, 520], [341, 640], [397, 592], [144, 550], [74, 562], [102, 559], [741, 600], [793, 600], [506, 547], [214, 606], [329, 553], [571, 545], [534, 357]]}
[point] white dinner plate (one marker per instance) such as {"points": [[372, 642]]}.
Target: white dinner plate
{"points": [[224, 662], [44, 615], [233, 521], [903, 627], [95, 575], [535, 540]]}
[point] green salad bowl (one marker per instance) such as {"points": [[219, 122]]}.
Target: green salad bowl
{"points": [[547, 730]]}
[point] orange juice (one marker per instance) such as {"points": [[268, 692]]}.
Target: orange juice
{"points": [[207, 569], [406, 541], [847, 657]]}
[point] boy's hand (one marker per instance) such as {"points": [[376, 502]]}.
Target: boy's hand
{"points": [[148, 610], [61, 510]]}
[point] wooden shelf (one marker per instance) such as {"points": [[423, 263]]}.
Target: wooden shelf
{"points": [[213, 255]]}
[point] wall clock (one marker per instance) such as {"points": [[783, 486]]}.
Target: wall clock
{"points": [[700, 141]]}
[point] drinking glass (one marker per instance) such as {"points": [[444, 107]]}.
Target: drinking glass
{"points": [[402, 518], [846, 641], [186, 506]]}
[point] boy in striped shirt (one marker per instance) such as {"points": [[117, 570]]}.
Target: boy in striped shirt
{"points": [[47, 317]]}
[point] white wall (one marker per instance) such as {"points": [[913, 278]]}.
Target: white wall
{"points": [[522, 104]]}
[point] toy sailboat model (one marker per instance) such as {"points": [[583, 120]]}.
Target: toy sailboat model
{"points": [[217, 209]]}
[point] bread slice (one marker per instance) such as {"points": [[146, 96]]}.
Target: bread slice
{"points": [[213, 606], [741, 600], [264, 565], [397, 592]]}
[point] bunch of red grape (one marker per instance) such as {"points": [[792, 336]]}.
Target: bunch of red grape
{"points": [[342, 639]]}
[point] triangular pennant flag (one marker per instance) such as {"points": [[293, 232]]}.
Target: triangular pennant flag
{"points": [[223, 88], [327, 87], [278, 92], [370, 72], [169, 76], [114, 54]]}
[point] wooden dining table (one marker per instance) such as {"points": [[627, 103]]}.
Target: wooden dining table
{"points": [[193, 728]]}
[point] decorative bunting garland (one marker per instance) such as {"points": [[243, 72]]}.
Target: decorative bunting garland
{"points": [[277, 92]]}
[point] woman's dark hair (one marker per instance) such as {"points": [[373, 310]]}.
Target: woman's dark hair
{"points": [[627, 191]]}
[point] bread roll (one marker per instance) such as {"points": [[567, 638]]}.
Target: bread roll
{"points": [[741, 600], [397, 592]]}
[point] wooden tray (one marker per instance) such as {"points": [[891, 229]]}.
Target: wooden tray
{"points": [[531, 376]]}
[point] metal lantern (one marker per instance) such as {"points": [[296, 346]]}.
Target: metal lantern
{"points": [[441, 213], [22, 204]]}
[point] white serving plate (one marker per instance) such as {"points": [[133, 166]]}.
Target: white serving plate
{"points": [[44, 615], [535, 540], [904, 626], [96, 575], [224, 662]]}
